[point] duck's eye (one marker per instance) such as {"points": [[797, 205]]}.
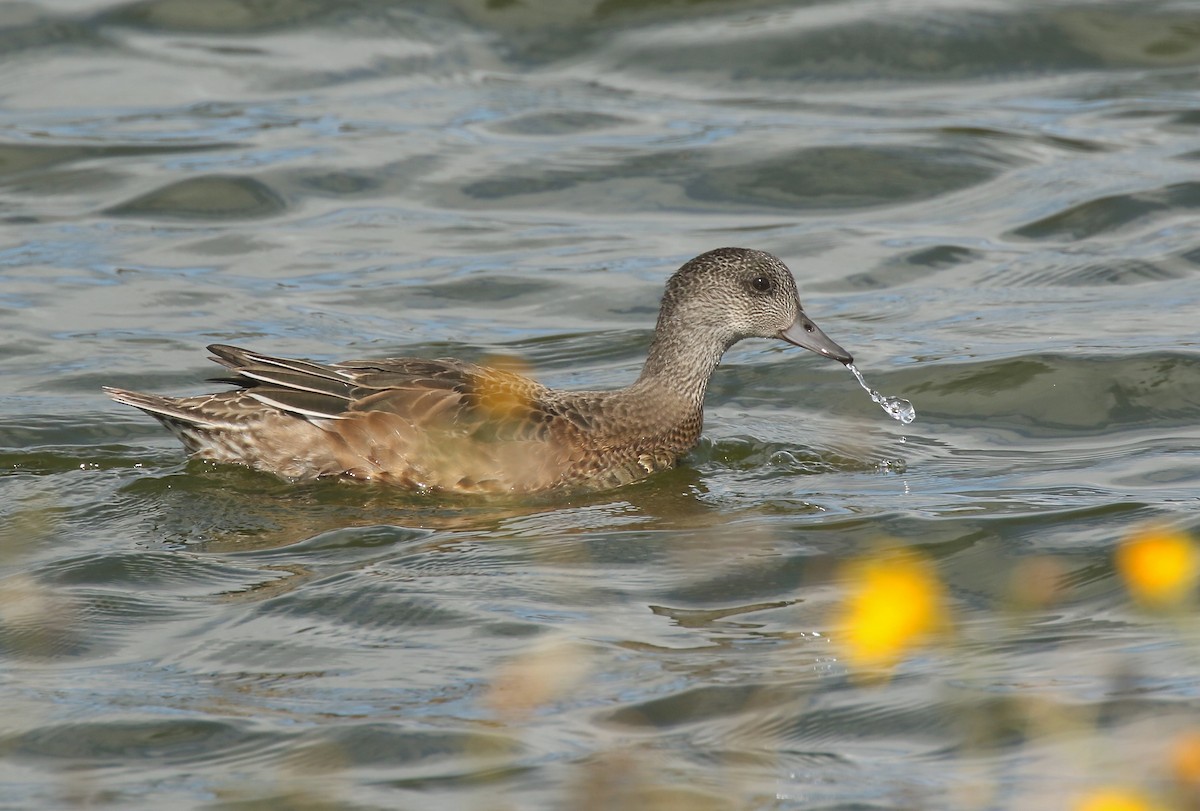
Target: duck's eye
{"points": [[761, 283]]}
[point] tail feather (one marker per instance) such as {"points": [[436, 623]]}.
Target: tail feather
{"points": [[236, 427], [166, 410]]}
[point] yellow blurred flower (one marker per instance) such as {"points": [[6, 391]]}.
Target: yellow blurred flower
{"points": [[1114, 799], [1159, 566], [894, 602], [502, 393], [1184, 761]]}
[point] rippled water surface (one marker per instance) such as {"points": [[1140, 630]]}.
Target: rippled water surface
{"points": [[992, 205]]}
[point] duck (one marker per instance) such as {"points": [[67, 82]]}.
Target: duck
{"points": [[449, 426]]}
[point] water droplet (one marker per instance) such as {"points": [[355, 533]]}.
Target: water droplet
{"points": [[897, 407]]}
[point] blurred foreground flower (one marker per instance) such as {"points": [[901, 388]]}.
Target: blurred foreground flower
{"points": [[1038, 582], [1184, 759], [1159, 566], [894, 602], [1115, 799], [502, 390], [540, 676]]}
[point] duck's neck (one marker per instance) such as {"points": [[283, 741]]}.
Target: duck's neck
{"points": [[676, 373]]}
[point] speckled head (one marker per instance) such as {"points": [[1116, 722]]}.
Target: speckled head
{"points": [[736, 293]]}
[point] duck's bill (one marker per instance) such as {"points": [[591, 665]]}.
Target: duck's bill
{"points": [[808, 335]]}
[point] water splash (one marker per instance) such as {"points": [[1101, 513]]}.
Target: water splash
{"points": [[897, 407]]}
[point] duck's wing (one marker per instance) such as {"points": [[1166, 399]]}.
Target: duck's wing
{"points": [[444, 395]]}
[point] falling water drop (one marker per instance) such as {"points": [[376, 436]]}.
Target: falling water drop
{"points": [[898, 408]]}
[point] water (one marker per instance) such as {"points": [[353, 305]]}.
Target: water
{"points": [[993, 205], [897, 407]]}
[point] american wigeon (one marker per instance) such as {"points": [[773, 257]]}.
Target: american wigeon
{"points": [[451, 426]]}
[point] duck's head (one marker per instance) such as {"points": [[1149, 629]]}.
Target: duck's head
{"points": [[736, 293]]}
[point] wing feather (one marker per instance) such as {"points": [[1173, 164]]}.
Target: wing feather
{"points": [[446, 395]]}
